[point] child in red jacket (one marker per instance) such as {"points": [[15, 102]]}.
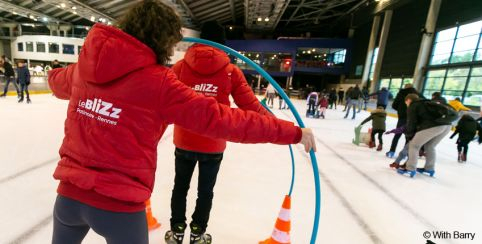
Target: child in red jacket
{"points": [[207, 71], [121, 99], [323, 105]]}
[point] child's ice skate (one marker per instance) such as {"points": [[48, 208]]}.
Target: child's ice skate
{"points": [[394, 165], [403, 171], [198, 236], [429, 172], [380, 147], [390, 154], [175, 236]]}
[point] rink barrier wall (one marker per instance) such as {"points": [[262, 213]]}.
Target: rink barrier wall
{"points": [[297, 116]]}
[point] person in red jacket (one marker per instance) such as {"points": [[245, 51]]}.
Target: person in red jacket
{"points": [[121, 99], [207, 71]]}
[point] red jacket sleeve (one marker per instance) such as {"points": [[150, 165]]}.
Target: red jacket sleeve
{"points": [[205, 116], [60, 81], [243, 94]]}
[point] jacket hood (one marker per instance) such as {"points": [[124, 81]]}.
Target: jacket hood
{"points": [[205, 60], [379, 112], [109, 53]]}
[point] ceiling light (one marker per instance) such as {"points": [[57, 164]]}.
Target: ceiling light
{"points": [[266, 19], [230, 28], [62, 5], [14, 12], [309, 52], [260, 19], [92, 18], [74, 8], [313, 50], [45, 19], [109, 23], [74, 12]]}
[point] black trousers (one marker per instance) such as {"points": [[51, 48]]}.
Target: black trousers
{"points": [[463, 147], [396, 137], [24, 88], [73, 219], [208, 170], [380, 135]]}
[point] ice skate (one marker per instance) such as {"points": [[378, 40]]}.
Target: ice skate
{"points": [[429, 172], [372, 145], [175, 236], [29, 101], [394, 165], [390, 154], [380, 147], [403, 171], [198, 237]]}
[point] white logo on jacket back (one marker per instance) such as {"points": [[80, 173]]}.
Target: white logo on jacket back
{"points": [[99, 107], [206, 89]]}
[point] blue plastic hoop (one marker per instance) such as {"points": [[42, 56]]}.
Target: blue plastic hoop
{"points": [[263, 73]]}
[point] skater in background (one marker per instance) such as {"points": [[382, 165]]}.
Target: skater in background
{"points": [[332, 98], [348, 98], [423, 129], [323, 104], [23, 79], [341, 95], [312, 102], [56, 64], [378, 118], [401, 108], [352, 97], [365, 98], [193, 149], [457, 105], [382, 97], [467, 128], [437, 97], [9, 75], [270, 94], [108, 159], [282, 103]]}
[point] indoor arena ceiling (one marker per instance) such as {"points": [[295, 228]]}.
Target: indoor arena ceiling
{"points": [[254, 15]]}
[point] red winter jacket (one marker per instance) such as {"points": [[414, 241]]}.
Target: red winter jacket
{"points": [[120, 103], [208, 71]]}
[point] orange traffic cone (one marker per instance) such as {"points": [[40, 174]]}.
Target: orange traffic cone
{"points": [[281, 232], [151, 221]]}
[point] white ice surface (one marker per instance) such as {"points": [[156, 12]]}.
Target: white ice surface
{"points": [[363, 201]]}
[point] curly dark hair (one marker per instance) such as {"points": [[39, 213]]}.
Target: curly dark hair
{"points": [[154, 24]]}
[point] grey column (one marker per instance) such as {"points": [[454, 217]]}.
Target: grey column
{"points": [[387, 20], [425, 46], [371, 47]]}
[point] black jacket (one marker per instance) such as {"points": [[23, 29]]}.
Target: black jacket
{"points": [[23, 75], [8, 69], [467, 128], [418, 118], [399, 102], [355, 93]]}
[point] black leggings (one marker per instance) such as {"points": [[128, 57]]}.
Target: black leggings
{"points": [[380, 135], [73, 219], [463, 146]]}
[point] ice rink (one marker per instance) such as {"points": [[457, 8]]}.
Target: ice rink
{"points": [[363, 200]]}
